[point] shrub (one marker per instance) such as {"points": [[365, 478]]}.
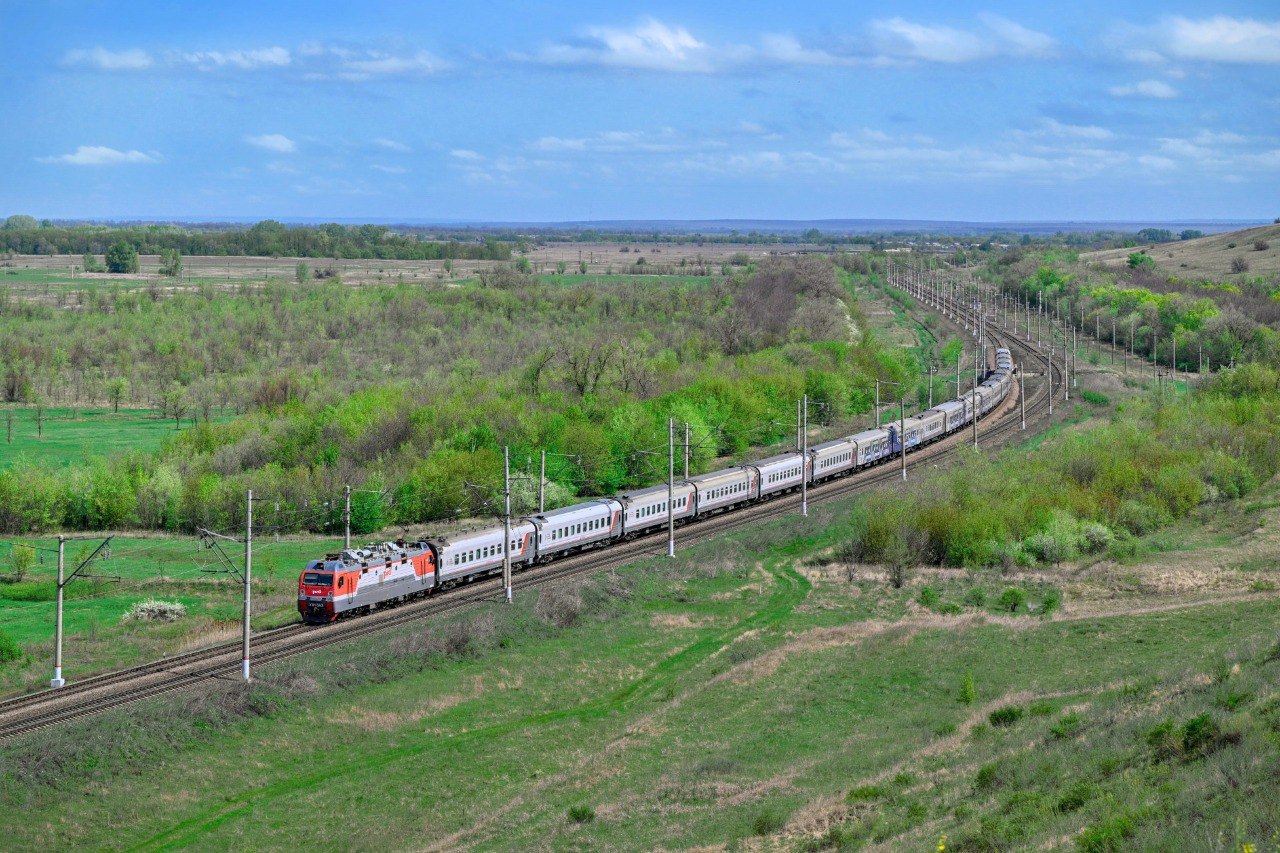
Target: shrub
{"points": [[9, 650], [1052, 601], [1067, 727], [1041, 709], [865, 792], [1108, 836], [949, 608], [1200, 733], [768, 822], [988, 777], [967, 690], [928, 597], [1139, 518], [1076, 796], [1239, 264], [582, 814], [1011, 599], [1004, 717], [976, 597], [1261, 245], [1095, 398], [153, 610]]}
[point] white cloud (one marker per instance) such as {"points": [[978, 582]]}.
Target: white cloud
{"points": [[99, 155], [650, 45], [243, 60], [377, 63], [276, 142], [1223, 39], [391, 145], [898, 38], [1150, 161], [100, 57], [390, 170], [620, 142], [466, 154], [1146, 89], [1052, 128]]}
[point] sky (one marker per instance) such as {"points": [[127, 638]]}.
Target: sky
{"points": [[552, 111]]}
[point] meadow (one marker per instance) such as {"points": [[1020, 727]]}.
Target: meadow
{"points": [[65, 437]]}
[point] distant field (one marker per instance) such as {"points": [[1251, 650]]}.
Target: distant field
{"points": [[71, 435]]}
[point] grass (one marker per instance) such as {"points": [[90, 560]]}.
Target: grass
{"points": [[732, 693], [72, 435], [166, 568]]}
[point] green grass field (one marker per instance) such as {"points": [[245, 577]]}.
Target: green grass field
{"points": [[166, 568], [744, 693], [72, 435]]}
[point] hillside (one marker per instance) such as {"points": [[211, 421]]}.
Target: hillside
{"points": [[1206, 258]]}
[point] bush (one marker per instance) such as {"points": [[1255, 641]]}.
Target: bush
{"points": [[153, 610], [768, 822], [1239, 264], [865, 792], [1011, 599], [967, 690], [1261, 245], [1076, 796], [976, 597], [9, 649], [1108, 836], [1095, 398], [582, 814], [1052, 601], [1067, 727], [988, 777], [928, 597], [1096, 537], [1004, 717]]}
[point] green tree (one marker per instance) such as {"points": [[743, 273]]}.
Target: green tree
{"points": [[1141, 261], [523, 265], [582, 267], [170, 263], [116, 390], [20, 222], [1011, 599], [122, 257], [21, 559], [91, 263], [302, 272], [560, 267]]}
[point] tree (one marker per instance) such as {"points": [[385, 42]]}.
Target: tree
{"points": [[1190, 234], [39, 404], [91, 263], [523, 265], [174, 404], [170, 263], [561, 267], [302, 272], [582, 267], [122, 258], [21, 559], [1011, 599], [1141, 261], [20, 222], [116, 390]]}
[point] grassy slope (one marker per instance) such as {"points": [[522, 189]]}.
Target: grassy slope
{"points": [[739, 690], [1207, 258]]}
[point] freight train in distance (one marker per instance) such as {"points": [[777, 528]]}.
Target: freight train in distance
{"points": [[358, 580]]}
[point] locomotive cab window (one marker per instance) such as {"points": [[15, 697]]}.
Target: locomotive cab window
{"points": [[317, 579]]}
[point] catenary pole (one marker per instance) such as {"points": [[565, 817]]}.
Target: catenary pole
{"points": [[542, 485], [804, 456], [671, 486], [346, 521], [248, 586], [58, 680], [1022, 393], [506, 521], [902, 433], [686, 450]]}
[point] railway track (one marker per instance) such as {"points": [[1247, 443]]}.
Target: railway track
{"points": [[27, 713]]}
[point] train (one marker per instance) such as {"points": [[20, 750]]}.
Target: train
{"points": [[356, 581]]}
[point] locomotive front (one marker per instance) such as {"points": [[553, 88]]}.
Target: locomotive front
{"points": [[315, 593]]}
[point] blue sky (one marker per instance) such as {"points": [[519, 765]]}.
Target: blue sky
{"points": [[554, 110]]}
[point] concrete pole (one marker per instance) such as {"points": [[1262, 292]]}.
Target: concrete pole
{"points": [[1075, 357], [902, 433], [1022, 393], [931, 368], [804, 456], [877, 404], [1066, 367], [974, 397], [542, 485], [58, 680], [248, 586], [346, 521], [671, 486], [506, 522], [1049, 370], [686, 450]]}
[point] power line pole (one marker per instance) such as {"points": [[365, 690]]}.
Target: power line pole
{"points": [[63, 580], [542, 485], [58, 680], [804, 456], [671, 486], [506, 521], [1022, 393], [248, 589], [687, 448], [346, 521], [902, 432]]}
